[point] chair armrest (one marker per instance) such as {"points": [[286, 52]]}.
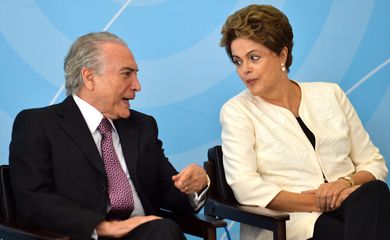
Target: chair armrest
{"points": [[194, 224], [16, 231], [251, 215]]}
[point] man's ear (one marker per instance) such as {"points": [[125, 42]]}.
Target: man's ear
{"points": [[88, 78]]}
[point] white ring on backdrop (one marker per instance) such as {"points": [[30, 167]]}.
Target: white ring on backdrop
{"points": [[116, 15], [230, 225], [142, 3], [29, 32], [59, 91], [365, 78], [336, 54]]}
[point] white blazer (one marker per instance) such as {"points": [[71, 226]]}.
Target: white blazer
{"points": [[266, 151]]}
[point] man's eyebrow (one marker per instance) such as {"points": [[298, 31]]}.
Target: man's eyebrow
{"points": [[130, 69]]}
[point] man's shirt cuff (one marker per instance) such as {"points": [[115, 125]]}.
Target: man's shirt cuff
{"points": [[197, 200]]}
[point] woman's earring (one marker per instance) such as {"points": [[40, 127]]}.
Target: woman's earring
{"points": [[283, 67]]}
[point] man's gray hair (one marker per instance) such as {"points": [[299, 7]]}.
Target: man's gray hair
{"points": [[85, 52]]}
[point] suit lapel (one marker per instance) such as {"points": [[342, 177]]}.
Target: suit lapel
{"points": [[128, 135], [72, 121]]}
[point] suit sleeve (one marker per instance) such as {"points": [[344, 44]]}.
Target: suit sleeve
{"points": [[33, 183], [171, 197]]}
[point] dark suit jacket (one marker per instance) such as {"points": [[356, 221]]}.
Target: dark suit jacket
{"points": [[58, 176]]}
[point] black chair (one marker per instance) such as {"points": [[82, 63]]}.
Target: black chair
{"points": [[222, 203], [194, 224]]}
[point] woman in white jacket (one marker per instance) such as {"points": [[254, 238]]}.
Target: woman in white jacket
{"points": [[297, 147]]}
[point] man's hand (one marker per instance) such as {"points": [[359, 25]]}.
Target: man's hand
{"points": [[118, 229], [191, 179]]}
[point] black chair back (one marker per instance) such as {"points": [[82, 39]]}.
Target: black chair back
{"points": [[216, 172], [6, 196], [221, 202]]}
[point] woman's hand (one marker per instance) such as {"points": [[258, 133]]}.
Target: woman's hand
{"points": [[344, 194], [328, 194]]}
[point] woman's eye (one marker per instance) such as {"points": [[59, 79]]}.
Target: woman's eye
{"points": [[254, 57], [237, 62]]}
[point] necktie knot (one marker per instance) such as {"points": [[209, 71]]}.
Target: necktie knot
{"points": [[105, 127]]}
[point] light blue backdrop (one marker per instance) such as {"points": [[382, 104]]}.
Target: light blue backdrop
{"points": [[185, 75]]}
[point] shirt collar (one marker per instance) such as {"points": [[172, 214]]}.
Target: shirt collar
{"points": [[91, 115]]}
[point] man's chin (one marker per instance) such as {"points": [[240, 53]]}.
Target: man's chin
{"points": [[125, 114]]}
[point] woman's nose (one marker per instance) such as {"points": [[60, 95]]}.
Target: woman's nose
{"points": [[247, 67]]}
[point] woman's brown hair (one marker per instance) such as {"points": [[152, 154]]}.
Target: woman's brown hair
{"points": [[263, 24]]}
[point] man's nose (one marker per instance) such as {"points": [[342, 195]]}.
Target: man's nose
{"points": [[136, 85]]}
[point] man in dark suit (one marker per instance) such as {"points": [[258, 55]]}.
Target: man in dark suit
{"points": [[60, 166]]}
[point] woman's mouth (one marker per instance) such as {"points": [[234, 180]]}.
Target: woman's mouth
{"points": [[250, 81]]}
